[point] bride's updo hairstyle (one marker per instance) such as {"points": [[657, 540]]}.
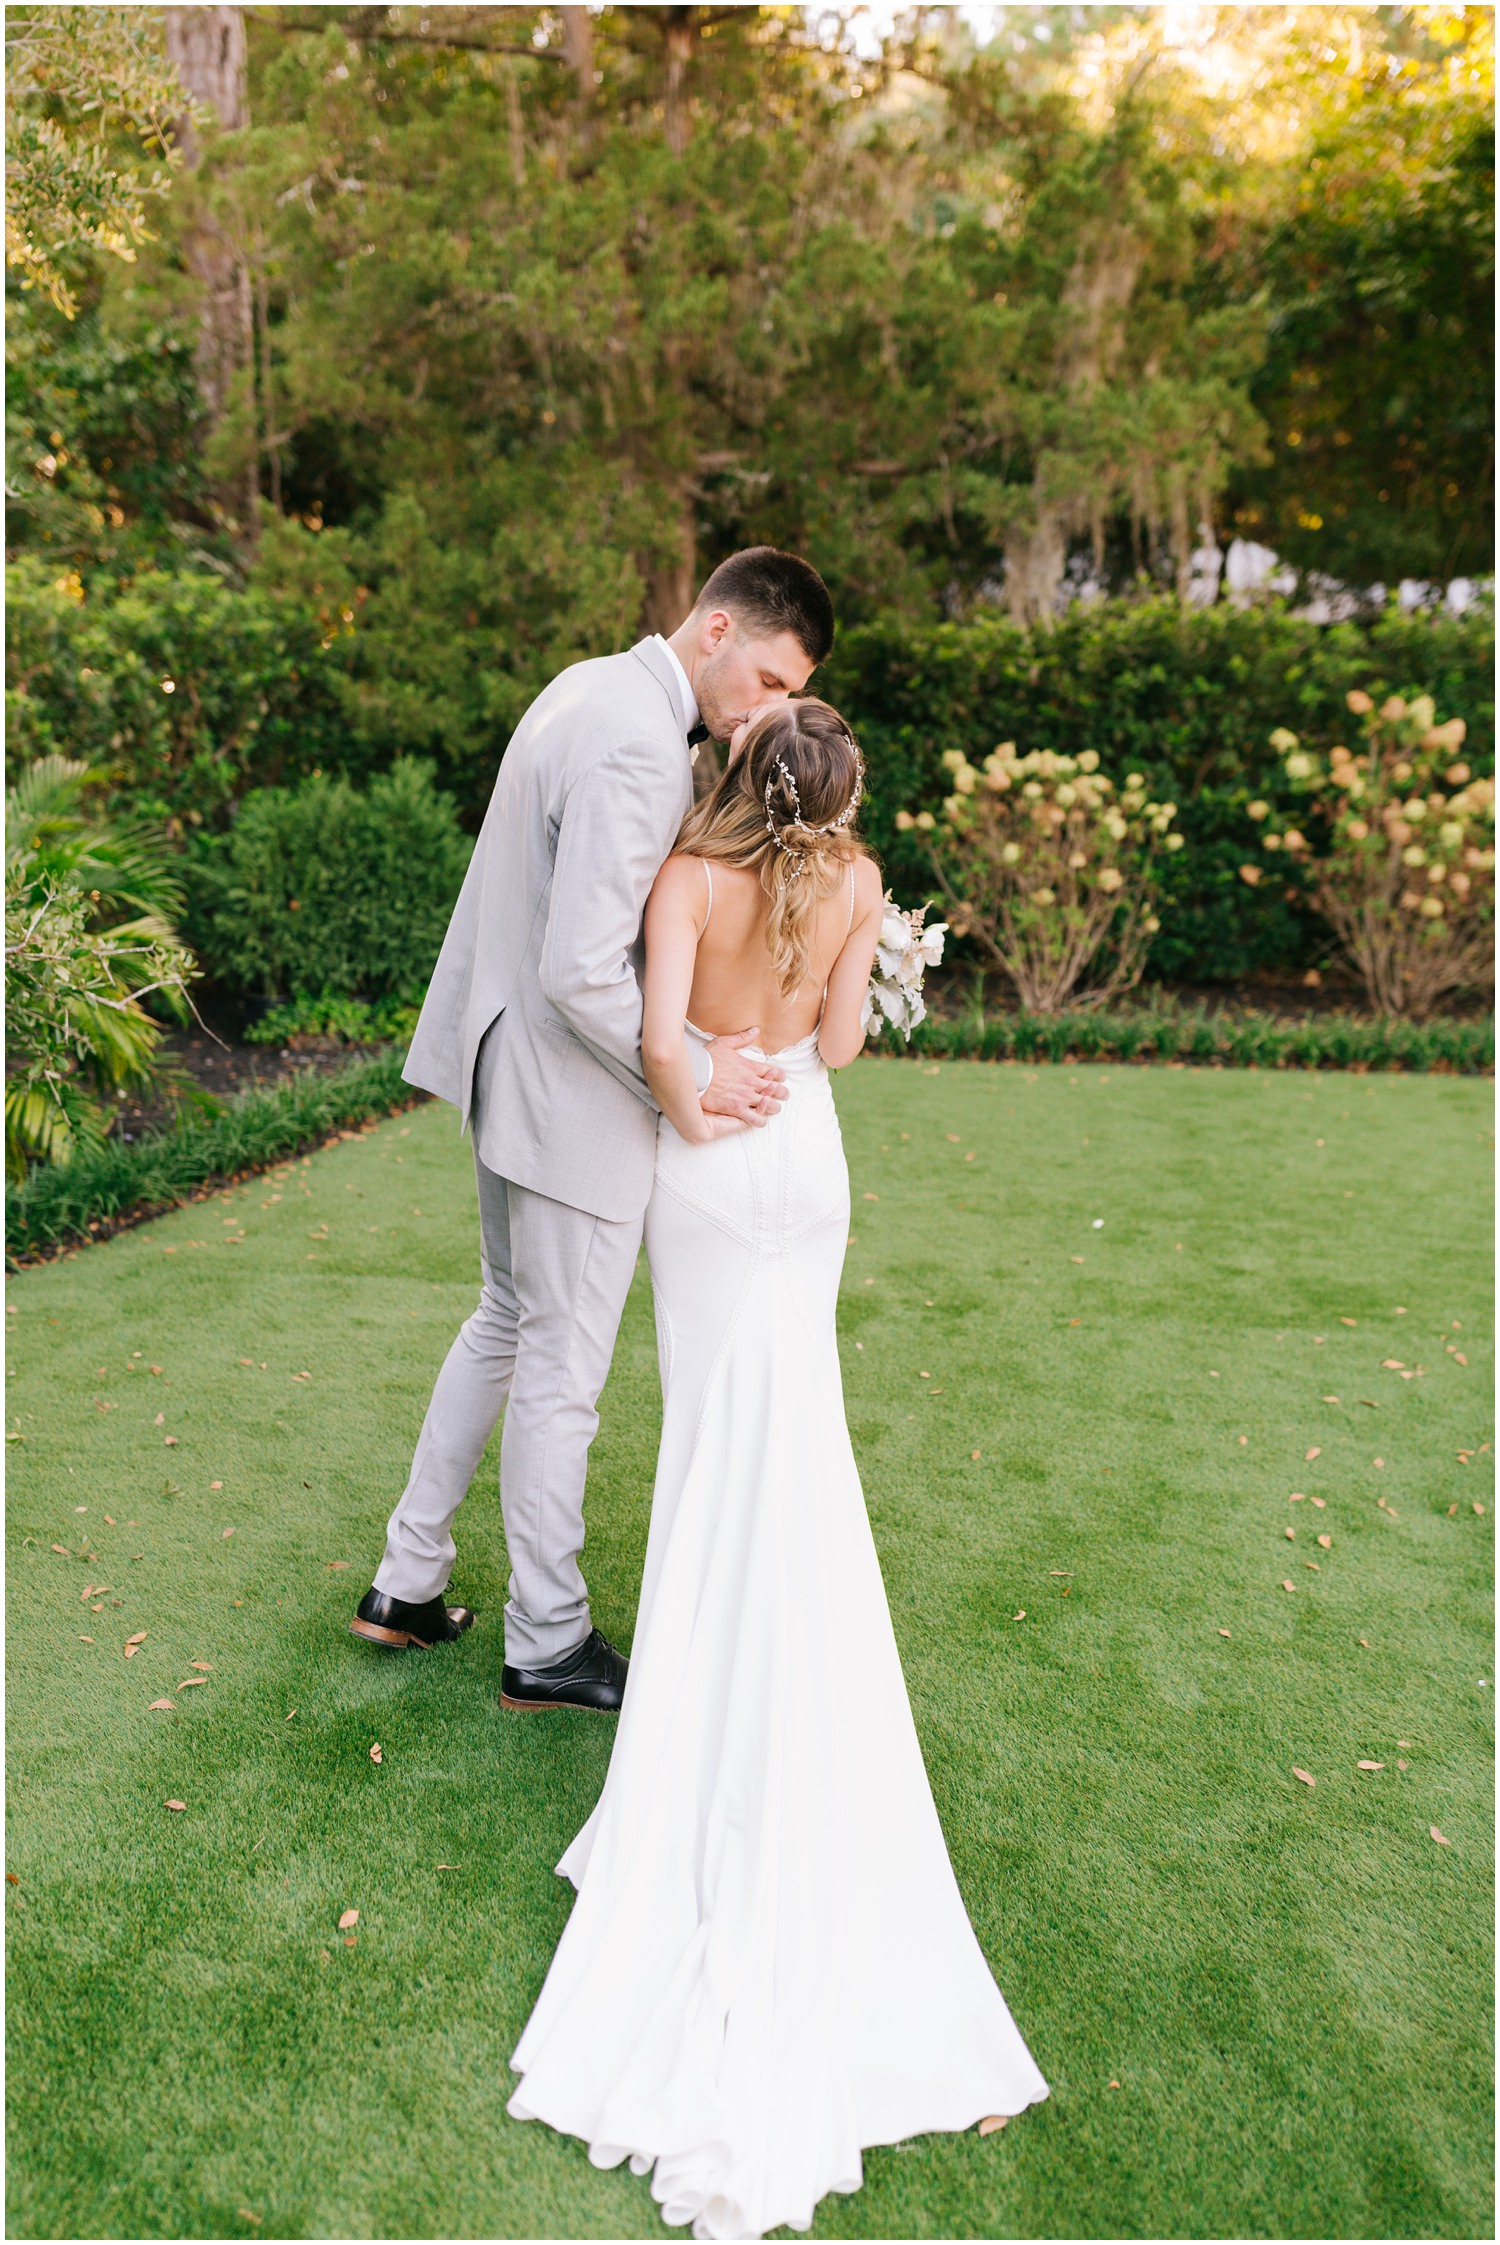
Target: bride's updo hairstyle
{"points": [[786, 805]]}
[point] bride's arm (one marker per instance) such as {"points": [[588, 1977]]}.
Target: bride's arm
{"points": [[841, 1038], [673, 926]]}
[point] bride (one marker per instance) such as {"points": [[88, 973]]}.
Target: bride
{"points": [[768, 1964]]}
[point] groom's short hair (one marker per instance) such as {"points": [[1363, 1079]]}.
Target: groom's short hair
{"points": [[767, 591]]}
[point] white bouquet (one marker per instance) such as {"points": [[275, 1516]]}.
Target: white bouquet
{"points": [[904, 953]]}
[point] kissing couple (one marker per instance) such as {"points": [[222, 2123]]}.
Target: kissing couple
{"points": [[768, 1964]]}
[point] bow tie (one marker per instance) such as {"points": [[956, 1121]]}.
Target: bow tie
{"points": [[697, 736]]}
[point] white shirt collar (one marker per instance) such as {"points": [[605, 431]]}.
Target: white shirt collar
{"points": [[684, 684]]}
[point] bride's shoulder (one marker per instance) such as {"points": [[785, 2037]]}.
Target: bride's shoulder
{"points": [[679, 868], [869, 886]]}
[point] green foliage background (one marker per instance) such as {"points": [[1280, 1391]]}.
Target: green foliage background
{"points": [[535, 337]]}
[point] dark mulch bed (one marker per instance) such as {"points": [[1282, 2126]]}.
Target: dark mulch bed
{"points": [[215, 1056]]}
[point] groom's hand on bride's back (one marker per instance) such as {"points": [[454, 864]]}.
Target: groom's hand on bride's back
{"points": [[744, 1086]]}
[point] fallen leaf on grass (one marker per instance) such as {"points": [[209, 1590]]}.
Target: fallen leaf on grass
{"points": [[974, 1456], [160, 1419], [177, 1804], [1346, 1321], [216, 1485], [1326, 1542], [1321, 1503], [1021, 1616], [228, 1532], [1391, 1364], [1287, 1585], [1365, 1642], [350, 1917], [1479, 1508], [1305, 1776], [205, 1665], [188, 1683], [1114, 2085], [1437, 1835], [992, 2122], [337, 1566], [1298, 1496], [1314, 1452], [1075, 1258], [1291, 1534], [377, 1753], [1369, 1765], [62, 1551], [151, 1710]]}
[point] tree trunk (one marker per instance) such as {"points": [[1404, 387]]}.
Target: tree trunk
{"points": [[1034, 563], [578, 46], [672, 581], [207, 45], [679, 37]]}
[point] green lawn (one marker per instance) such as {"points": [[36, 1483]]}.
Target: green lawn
{"points": [[1263, 2007]]}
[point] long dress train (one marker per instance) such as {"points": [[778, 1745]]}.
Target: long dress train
{"points": [[768, 1964]]}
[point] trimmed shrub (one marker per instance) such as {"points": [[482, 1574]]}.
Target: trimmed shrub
{"points": [[324, 888], [186, 692], [1186, 696], [102, 1188]]}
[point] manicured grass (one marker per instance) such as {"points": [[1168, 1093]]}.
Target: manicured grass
{"points": [[1290, 1985]]}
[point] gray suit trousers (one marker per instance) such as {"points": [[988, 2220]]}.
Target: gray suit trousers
{"points": [[537, 1348]]}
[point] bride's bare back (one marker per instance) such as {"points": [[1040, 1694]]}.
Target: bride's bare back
{"points": [[733, 979], [708, 962]]}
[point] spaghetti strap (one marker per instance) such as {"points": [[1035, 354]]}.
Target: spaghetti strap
{"points": [[849, 930], [708, 915]]}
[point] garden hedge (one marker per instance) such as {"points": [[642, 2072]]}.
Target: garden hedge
{"points": [[266, 688], [94, 1194], [1187, 696]]}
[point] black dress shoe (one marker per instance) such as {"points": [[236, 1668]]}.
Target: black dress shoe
{"points": [[384, 1620], [592, 1675]]}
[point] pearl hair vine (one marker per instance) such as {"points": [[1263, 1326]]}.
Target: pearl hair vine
{"points": [[834, 825]]}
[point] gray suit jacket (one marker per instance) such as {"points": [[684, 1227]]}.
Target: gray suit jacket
{"points": [[540, 965]]}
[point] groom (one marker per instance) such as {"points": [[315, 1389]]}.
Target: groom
{"points": [[532, 1029]]}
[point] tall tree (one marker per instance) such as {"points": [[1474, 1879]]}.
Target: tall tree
{"points": [[207, 48]]}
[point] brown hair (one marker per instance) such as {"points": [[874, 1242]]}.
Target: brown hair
{"points": [[785, 806], [767, 591]]}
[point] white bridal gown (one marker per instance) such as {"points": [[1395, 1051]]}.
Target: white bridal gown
{"points": [[768, 1963]]}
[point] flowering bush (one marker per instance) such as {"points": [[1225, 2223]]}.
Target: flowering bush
{"points": [[1050, 869], [1407, 876], [904, 953]]}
